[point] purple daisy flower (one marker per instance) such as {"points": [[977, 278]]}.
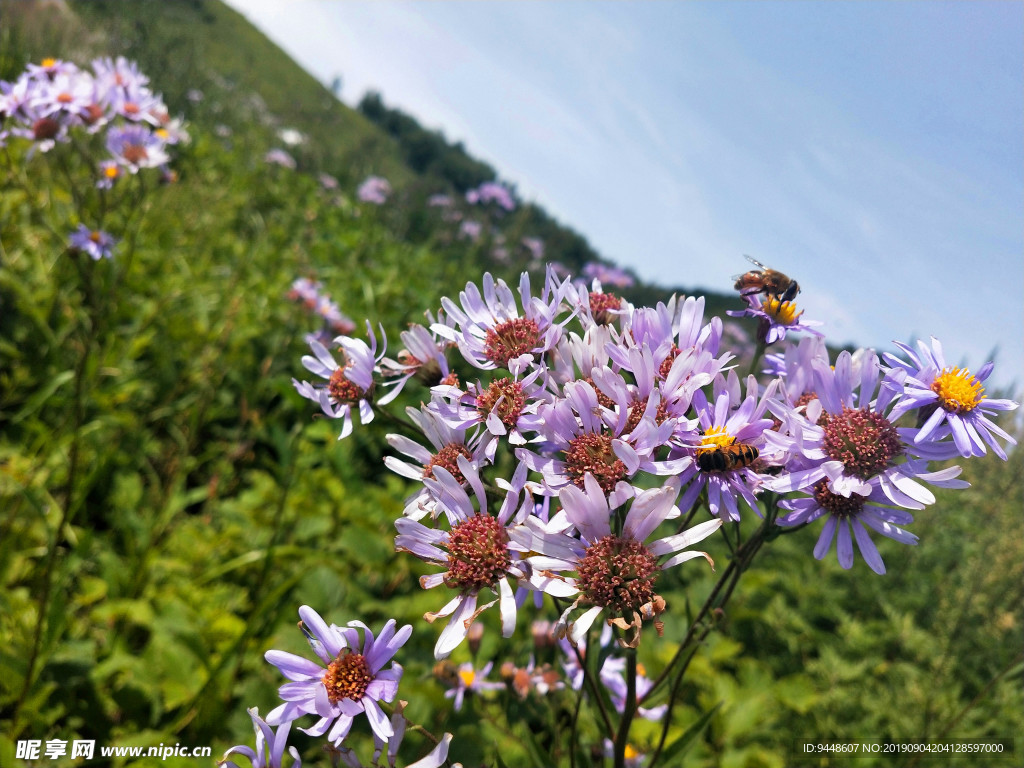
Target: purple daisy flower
{"points": [[507, 407], [613, 676], [468, 679], [94, 242], [348, 682], [858, 513], [278, 156], [848, 436], [729, 448], [350, 385], [423, 357], [450, 445], [269, 746], [776, 317], [490, 331], [477, 552], [614, 572], [950, 401], [608, 274], [135, 147], [491, 192], [374, 190], [581, 436]]}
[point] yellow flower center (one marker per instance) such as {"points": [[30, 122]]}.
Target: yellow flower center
{"points": [[715, 438], [111, 172], [629, 753], [163, 133], [48, 62], [468, 676], [958, 390], [782, 312]]}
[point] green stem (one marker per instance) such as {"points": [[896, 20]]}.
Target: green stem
{"points": [[628, 711]]}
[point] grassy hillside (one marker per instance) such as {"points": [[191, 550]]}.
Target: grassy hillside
{"points": [[167, 500]]}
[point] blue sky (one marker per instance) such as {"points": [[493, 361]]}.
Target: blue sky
{"points": [[874, 151]]}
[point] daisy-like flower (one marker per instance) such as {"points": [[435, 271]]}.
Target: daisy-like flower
{"points": [[950, 401], [468, 679], [490, 331], [775, 317], [615, 572], [270, 746], [729, 442], [374, 190], [849, 437], [583, 436], [135, 147], [491, 192], [857, 513], [96, 243], [477, 552], [507, 407], [613, 676], [347, 682], [109, 172], [449, 443], [278, 156], [422, 356], [350, 384]]}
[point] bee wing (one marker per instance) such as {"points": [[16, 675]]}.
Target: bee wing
{"points": [[754, 261]]}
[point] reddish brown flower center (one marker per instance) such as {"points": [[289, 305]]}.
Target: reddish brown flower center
{"points": [[478, 554], [593, 453], [618, 574], [864, 441], [448, 458], [511, 339], [45, 128], [833, 503], [602, 307], [505, 397], [666, 364], [342, 390], [135, 153], [347, 677], [636, 413]]}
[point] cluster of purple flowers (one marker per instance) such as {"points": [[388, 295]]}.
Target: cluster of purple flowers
{"points": [[615, 426], [619, 418], [50, 100], [492, 192], [311, 294], [607, 274], [375, 190]]}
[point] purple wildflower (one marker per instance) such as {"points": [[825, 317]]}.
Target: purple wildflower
{"points": [[94, 242], [374, 190], [269, 746], [347, 682], [950, 401]]}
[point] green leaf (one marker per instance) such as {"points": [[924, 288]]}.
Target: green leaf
{"points": [[680, 746]]}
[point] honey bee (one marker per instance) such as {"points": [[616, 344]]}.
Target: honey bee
{"points": [[725, 458], [767, 281]]}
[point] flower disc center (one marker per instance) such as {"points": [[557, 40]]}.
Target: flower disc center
{"points": [[511, 339], [510, 393], [617, 573], [478, 554], [958, 390], [593, 453], [347, 677], [863, 440]]}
